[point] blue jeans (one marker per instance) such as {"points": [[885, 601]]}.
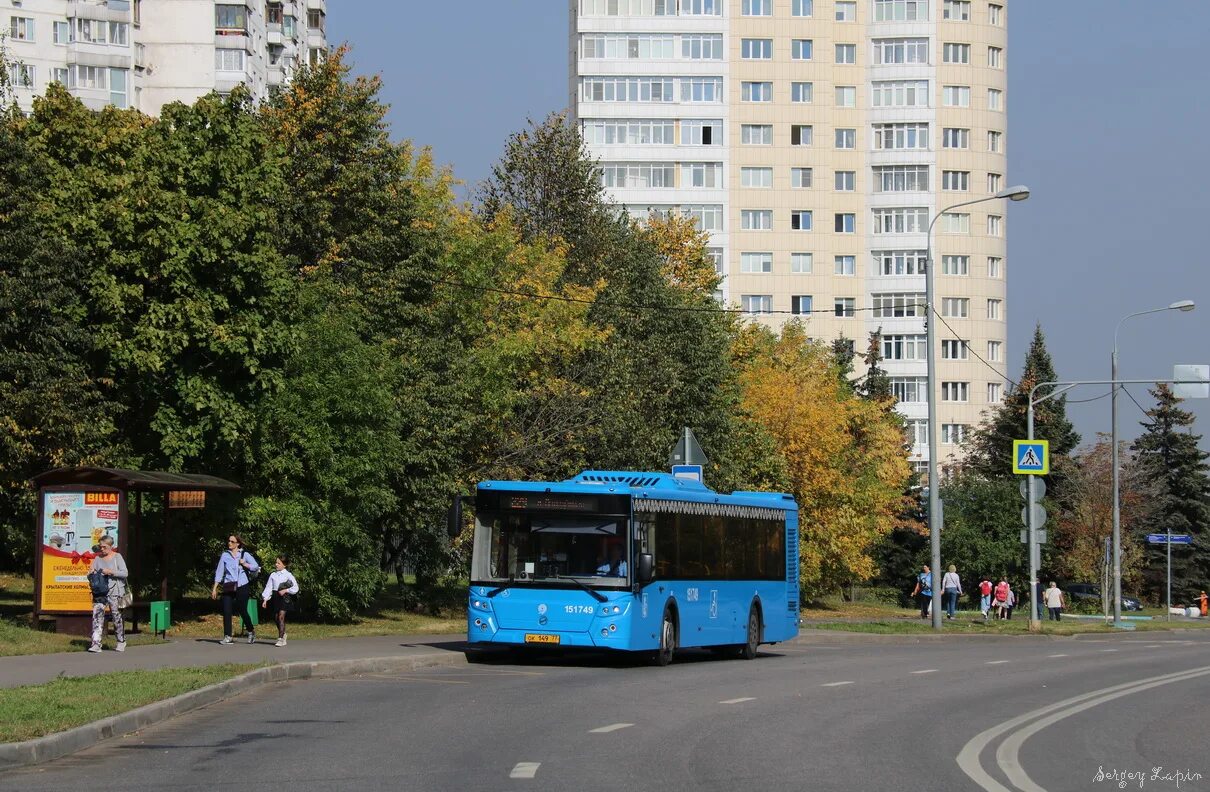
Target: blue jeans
{"points": [[951, 601]]}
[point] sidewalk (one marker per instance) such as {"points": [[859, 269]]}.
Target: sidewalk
{"points": [[193, 653]]}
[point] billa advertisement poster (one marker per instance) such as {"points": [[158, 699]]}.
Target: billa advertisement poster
{"points": [[72, 523]]}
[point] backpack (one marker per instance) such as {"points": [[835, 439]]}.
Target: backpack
{"points": [[985, 588], [99, 585], [252, 576], [1001, 592]]}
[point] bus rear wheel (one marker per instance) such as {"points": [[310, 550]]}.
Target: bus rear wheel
{"points": [[663, 655], [748, 650]]}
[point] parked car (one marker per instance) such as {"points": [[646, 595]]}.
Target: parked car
{"points": [[1091, 591]]}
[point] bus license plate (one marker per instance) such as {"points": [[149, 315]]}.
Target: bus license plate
{"points": [[541, 638]]}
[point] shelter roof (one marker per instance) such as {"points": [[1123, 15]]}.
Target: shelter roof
{"points": [[133, 480]]}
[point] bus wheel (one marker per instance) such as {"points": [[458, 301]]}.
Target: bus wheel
{"points": [[748, 650], [663, 655]]}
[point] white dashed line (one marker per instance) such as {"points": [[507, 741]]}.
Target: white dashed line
{"points": [[836, 684], [611, 727], [1154, 646], [737, 700], [995, 662], [1109, 650], [925, 671], [525, 770], [1057, 655]]}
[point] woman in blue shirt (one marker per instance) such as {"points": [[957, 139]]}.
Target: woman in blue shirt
{"points": [[233, 576]]}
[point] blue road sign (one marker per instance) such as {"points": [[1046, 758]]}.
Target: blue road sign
{"points": [[1163, 539], [690, 472], [1031, 457]]}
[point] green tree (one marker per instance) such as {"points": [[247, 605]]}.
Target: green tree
{"points": [[877, 384], [982, 530], [1169, 455]]}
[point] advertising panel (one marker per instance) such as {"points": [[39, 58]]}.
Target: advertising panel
{"points": [[72, 522]]}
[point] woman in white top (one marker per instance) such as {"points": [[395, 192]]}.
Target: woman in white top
{"points": [[1054, 601], [281, 588], [951, 587]]}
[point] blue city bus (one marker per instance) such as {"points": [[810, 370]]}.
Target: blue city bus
{"points": [[638, 562]]}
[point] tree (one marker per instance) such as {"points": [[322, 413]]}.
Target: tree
{"points": [[1168, 453], [981, 535], [877, 384]]}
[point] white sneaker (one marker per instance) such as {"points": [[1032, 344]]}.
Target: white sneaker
{"points": [[121, 647], [95, 648], [226, 640], [280, 642], [251, 637]]}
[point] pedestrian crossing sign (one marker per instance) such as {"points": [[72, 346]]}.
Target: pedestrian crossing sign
{"points": [[1031, 457]]}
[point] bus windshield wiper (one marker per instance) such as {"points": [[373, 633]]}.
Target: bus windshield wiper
{"points": [[496, 591], [598, 596]]}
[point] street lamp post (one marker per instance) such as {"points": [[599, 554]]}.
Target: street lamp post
{"points": [[1017, 193], [1180, 305]]}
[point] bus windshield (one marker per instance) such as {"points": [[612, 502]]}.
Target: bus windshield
{"points": [[526, 546]]}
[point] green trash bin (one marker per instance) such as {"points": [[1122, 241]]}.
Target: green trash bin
{"points": [[161, 617]]}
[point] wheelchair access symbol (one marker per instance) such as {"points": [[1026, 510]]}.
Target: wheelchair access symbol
{"points": [[1031, 457]]}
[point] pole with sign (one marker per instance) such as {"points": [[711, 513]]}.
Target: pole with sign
{"points": [[687, 460], [1169, 539], [1031, 458]]}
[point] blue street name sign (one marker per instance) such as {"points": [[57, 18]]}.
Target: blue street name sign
{"points": [[690, 472], [1163, 539]]}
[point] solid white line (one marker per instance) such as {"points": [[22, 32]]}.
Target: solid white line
{"points": [[525, 770], [1057, 655], [925, 671], [836, 684], [737, 700], [610, 727], [996, 662]]}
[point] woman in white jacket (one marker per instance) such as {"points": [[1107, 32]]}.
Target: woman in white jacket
{"points": [[278, 597]]}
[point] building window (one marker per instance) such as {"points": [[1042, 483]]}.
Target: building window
{"points": [[846, 53], [994, 225], [800, 178], [956, 96], [955, 307], [901, 220], [21, 75], [955, 391], [229, 60], [757, 8], [800, 304], [801, 49], [953, 349], [756, 49], [699, 132], [844, 265], [21, 28], [273, 13], [756, 219], [708, 46], [756, 134], [846, 96], [955, 53], [955, 138], [801, 92], [995, 392], [955, 265], [640, 175], [993, 183], [900, 10], [993, 266], [995, 99], [845, 181], [757, 92], [917, 432], [956, 181], [995, 14], [90, 77], [627, 89], [709, 217], [754, 304], [993, 141], [993, 309], [716, 256], [846, 138], [956, 10], [62, 33], [953, 434], [753, 263], [912, 390], [119, 34], [315, 20], [609, 132], [904, 347], [647, 46], [846, 10], [844, 307], [901, 136], [800, 263], [995, 57], [900, 262], [802, 135], [117, 88], [91, 31], [901, 178], [802, 8], [994, 350], [900, 93], [956, 223], [897, 305], [231, 17], [756, 177], [702, 174], [701, 89], [697, 7], [800, 220], [60, 75], [901, 50]]}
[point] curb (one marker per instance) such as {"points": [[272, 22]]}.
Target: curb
{"points": [[53, 746]]}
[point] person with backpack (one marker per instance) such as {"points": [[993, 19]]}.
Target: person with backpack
{"points": [[107, 578], [924, 591], [1001, 598], [951, 586], [279, 593], [985, 596], [235, 573]]}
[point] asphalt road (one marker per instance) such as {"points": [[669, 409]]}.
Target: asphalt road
{"points": [[962, 714]]}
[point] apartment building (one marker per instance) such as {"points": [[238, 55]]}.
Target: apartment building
{"points": [[147, 53], [815, 140]]}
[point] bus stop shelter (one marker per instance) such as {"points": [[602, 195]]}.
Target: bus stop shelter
{"points": [[77, 507]]}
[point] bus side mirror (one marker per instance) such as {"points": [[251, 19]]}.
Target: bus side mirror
{"points": [[453, 518], [646, 569]]}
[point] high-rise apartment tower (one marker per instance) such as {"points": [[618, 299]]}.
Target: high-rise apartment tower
{"points": [[815, 140]]}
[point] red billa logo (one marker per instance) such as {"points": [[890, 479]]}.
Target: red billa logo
{"points": [[101, 498]]}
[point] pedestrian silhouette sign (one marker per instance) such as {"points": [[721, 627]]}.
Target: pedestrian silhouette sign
{"points": [[1031, 457]]}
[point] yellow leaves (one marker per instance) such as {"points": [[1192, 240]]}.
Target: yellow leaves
{"points": [[683, 247]]}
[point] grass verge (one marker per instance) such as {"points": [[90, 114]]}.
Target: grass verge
{"points": [[67, 702]]}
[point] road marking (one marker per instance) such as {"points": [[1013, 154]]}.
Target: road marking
{"points": [[611, 727], [1057, 655], [419, 679], [836, 684], [968, 757], [1154, 646], [1109, 650], [738, 700], [996, 662], [525, 770], [925, 671]]}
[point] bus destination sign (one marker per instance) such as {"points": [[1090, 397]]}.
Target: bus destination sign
{"points": [[548, 502]]}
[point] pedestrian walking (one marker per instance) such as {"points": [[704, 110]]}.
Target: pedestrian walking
{"points": [[279, 593], [1012, 603], [1054, 602], [951, 586], [924, 591], [234, 573], [1000, 595], [985, 596], [1202, 601], [108, 578]]}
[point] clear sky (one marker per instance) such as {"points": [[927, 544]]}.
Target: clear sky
{"points": [[1108, 126]]}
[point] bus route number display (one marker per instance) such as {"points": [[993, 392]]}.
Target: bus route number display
{"points": [[545, 501]]}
